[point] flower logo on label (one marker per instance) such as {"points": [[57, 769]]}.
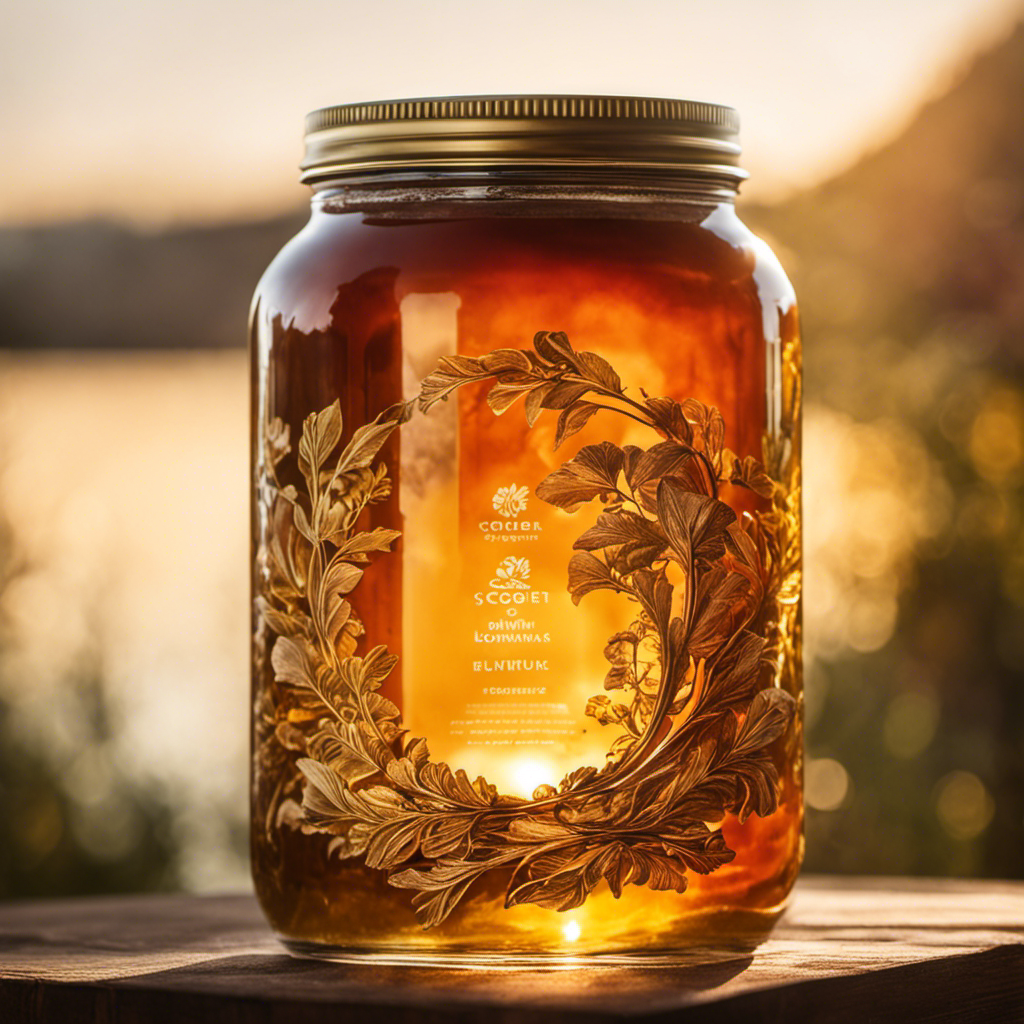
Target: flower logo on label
{"points": [[512, 574], [510, 501]]}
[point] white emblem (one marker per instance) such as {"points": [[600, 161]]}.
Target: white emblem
{"points": [[512, 574], [510, 501]]}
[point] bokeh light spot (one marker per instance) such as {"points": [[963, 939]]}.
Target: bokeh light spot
{"points": [[997, 436], [826, 784], [910, 723], [963, 805]]}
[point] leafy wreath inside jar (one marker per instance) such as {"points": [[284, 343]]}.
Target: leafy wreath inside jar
{"points": [[695, 672]]}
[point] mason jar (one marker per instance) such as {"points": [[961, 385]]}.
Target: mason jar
{"points": [[525, 539]]}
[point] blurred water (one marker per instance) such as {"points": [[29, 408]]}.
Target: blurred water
{"points": [[124, 478]]}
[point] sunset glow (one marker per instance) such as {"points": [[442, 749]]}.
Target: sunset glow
{"points": [[180, 111]]}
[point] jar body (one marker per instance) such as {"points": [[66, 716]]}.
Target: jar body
{"points": [[526, 543]]}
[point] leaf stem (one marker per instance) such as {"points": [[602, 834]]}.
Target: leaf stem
{"points": [[622, 412]]}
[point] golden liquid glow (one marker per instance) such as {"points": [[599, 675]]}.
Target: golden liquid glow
{"points": [[679, 311]]}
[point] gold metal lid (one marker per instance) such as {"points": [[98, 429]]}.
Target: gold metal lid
{"points": [[560, 139]]}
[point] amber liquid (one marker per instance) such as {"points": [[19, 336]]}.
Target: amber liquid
{"points": [[682, 302]]}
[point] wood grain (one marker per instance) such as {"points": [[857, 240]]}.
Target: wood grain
{"points": [[847, 950]]}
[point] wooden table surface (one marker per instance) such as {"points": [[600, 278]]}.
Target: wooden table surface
{"points": [[858, 950]]}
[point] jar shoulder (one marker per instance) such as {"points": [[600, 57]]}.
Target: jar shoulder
{"points": [[438, 250]]}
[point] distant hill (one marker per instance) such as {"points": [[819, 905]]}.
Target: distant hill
{"points": [[932, 223], [921, 240], [99, 285]]}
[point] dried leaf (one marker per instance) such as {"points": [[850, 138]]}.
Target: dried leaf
{"points": [[381, 709], [573, 420], [368, 440], [748, 472], [587, 573], [710, 428], [276, 440], [563, 394], [340, 746], [694, 524], [441, 887], [503, 396], [339, 613], [321, 431], [281, 622], [619, 676], [352, 844], [535, 829], [668, 417], [699, 848], [563, 881], [621, 527], [341, 578], [654, 592], [644, 470], [724, 602], [452, 372], [738, 669], [554, 347], [606, 713], [630, 557], [506, 360], [325, 799], [644, 865], [714, 437], [376, 667], [290, 737], [456, 786], [301, 521], [378, 539], [768, 717], [395, 841], [593, 472], [599, 462], [535, 402], [293, 661], [417, 752], [621, 647], [599, 370], [448, 835]]}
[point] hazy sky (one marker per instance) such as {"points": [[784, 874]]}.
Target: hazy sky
{"points": [[169, 110]]}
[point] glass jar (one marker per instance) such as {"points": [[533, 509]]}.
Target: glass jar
{"points": [[526, 539]]}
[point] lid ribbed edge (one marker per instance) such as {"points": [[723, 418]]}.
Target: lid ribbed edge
{"points": [[526, 107]]}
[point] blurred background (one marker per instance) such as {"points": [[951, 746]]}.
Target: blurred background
{"points": [[148, 178]]}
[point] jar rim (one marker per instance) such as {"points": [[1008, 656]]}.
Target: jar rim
{"points": [[552, 138]]}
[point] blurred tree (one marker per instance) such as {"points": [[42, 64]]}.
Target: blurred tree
{"points": [[72, 822], [910, 268]]}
